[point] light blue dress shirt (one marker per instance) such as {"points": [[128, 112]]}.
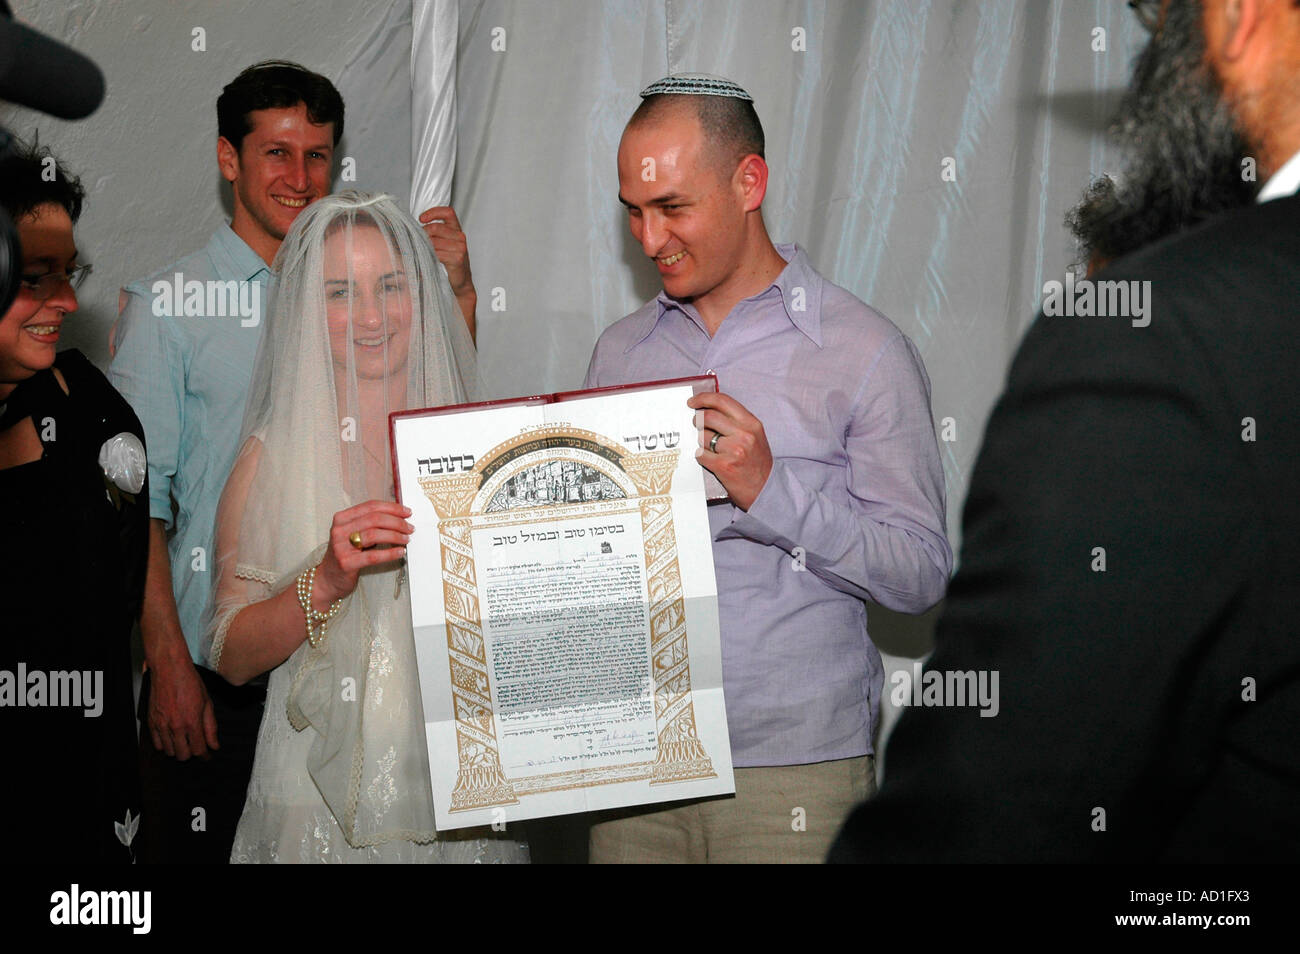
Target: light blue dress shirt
{"points": [[853, 509], [187, 376]]}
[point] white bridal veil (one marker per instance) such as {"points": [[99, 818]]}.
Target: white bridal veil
{"points": [[364, 323]]}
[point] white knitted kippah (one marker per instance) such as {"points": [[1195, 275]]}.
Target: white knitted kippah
{"points": [[696, 84]]}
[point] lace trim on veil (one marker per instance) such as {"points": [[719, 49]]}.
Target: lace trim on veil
{"points": [[243, 571], [246, 571], [219, 642]]}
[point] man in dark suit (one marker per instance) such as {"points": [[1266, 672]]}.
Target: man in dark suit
{"points": [[1131, 555]]}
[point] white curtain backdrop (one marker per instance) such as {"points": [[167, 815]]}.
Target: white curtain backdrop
{"points": [[865, 105], [434, 30], [375, 81]]}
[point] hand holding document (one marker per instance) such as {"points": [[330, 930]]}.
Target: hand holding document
{"points": [[564, 603]]}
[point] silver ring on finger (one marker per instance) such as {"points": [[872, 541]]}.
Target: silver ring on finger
{"points": [[713, 444]]}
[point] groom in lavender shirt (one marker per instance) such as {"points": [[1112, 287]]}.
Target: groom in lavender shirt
{"points": [[822, 437]]}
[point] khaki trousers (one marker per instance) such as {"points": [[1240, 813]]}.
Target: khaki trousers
{"points": [[784, 814]]}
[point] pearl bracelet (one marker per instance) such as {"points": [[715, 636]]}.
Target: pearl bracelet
{"points": [[315, 620]]}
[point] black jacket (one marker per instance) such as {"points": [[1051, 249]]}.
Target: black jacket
{"points": [[1150, 711]]}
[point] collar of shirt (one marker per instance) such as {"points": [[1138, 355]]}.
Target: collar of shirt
{"points": [[799, 287], [1282, 183], [231, 255]]}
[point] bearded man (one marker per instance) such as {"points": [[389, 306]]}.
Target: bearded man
{"points": [[1132, 540], [1182, 146]]}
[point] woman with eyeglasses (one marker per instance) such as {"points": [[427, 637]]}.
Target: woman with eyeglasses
{"points": [[73, 525]]}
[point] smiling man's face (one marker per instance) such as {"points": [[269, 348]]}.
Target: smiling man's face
{"points": [[689, 214], [281, 167]]}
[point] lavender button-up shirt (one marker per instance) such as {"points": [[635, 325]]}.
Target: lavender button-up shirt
{"points": [[853, 509]]}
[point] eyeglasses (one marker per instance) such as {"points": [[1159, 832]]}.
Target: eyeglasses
{"points": [[42, 287], [1147, 12]]}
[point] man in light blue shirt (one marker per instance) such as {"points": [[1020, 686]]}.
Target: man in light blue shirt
{"points": [[823, 438], [164, 362], [184, 349]]}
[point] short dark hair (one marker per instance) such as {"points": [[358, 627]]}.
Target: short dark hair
{"points": [[730, 125], [276, 84], [30, 176]]}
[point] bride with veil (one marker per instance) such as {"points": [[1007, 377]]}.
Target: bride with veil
{"points": [[310, 570]]}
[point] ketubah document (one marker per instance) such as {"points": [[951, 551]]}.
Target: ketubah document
{"points": [[564, 603]]}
